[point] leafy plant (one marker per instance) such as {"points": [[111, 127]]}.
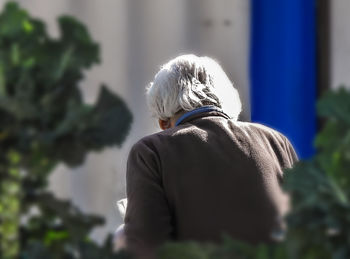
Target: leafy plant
{"points": [[320, 219], [44, 121], [319, 222], [228, 249]]}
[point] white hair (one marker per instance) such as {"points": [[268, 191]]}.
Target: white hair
{"points": [[189, 82]]}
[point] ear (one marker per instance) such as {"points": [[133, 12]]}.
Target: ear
{"points": [[164, 124]]}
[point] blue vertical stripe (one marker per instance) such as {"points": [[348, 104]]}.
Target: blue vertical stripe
{"points": [[283, 69]]}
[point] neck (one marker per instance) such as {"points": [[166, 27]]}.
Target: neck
{"points": [[174, 119], [202, 109]]}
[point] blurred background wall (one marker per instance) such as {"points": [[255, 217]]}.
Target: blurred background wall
{"points": [[136, 37], [340, 43]]}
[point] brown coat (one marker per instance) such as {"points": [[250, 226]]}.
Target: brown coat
{"points": [[208, 176]]}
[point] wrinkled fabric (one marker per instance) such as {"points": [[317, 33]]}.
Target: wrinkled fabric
{"points": [[207, 177]]}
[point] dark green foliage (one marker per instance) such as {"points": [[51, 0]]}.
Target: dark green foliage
{"points": [[320, 218], [228, 249], [44, 121], [319, 222], [40, 102]]}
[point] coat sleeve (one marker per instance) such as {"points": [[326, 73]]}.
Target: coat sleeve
{"points": [[148, 217]]}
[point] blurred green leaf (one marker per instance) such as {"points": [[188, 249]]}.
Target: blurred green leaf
{"points": [[44, 121], [2, 81], [27, 26], [335, 106], [52, 236]]}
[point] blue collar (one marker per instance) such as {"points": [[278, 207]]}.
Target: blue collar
{"points": [[197, 111]]}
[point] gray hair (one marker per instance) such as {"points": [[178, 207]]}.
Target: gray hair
{"points": [[189, 82]]}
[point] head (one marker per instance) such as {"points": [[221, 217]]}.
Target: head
{"points": [[189, 82]]}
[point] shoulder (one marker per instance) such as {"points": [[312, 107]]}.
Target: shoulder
{"points": [[146, 146], [273, 133], [262, 130], [146, 154], [158, 139], [144, 160], [150, 145], [150, 141], [276, 139]]}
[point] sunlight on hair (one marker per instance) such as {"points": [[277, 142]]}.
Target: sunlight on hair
{"points": [[189, 82]]}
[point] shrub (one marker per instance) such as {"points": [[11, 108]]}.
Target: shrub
{"points": [[44, 121]]}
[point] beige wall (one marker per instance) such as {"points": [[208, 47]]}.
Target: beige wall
{"points": [[136, 37], [340, 43]]}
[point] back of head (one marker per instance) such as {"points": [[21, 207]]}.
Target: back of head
{"points": [[189, 82]]}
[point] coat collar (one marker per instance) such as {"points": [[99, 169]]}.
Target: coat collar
{"points": [[201, 112]]}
